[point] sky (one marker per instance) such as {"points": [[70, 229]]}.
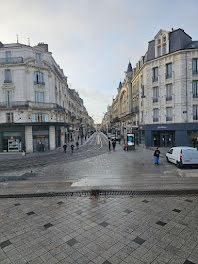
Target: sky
{"points": [[93, 40]]}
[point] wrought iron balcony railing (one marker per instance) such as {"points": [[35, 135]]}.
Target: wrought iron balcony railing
{"points": [[169, 118], [11, 60], [169, 98], [155, 119], [155, 100]]}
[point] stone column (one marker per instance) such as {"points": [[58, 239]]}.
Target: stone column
{"points": [[28, 139], [62, 135], [52, 141]]}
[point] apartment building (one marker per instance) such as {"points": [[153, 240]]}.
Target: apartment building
{"points": [[37, 109]]}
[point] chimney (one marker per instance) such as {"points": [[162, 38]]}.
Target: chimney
{"points": [[43, 46]]}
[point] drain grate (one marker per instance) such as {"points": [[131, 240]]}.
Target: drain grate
{"points": [[103, 193]]}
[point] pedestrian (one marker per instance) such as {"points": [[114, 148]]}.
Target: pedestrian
{"points": [[114, 144], [125, 145], [119, 140], [194, 142], [72, 147], [156, 156], [65, 147], [23, 150], [77, 144], [109, 145]]}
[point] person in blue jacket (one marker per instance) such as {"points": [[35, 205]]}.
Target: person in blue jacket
{"points": [[156, 156]]}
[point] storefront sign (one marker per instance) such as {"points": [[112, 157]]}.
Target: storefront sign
{"points": [[62, 134], [40, 136], [11, 137], [161, 127]]}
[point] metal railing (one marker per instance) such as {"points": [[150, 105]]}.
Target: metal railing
{"points": [[155, 119], [41, 83], [169, 118], [168, 75], [11, 60], [155, 79], [169, 98], [195, 95], [155, 100]]}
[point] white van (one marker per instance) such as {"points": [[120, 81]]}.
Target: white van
{"points": [[182, 156]]}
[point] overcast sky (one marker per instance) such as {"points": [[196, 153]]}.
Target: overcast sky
{"points": [[93, 40]]}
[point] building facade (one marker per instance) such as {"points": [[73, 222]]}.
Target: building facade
{"points": [[164, 98], [38, 111]]}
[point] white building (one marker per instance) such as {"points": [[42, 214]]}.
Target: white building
{"points": [[35, 102]]}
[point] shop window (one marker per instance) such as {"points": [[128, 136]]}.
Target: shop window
{"points": [[38, 77], [9, 117], [195, 89]]}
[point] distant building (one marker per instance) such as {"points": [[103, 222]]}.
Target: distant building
{"points": [[163, 104], [38, 111]]}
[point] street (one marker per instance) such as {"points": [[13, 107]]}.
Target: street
{"points": [[92, 166]]}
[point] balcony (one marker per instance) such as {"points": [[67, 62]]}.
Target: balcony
{"points": [[169, 98], [155, 100], [195, 95], [156, 119], [169, 118], [155, 79], [135, 109], [14, 104], [195, 72], [195, 117], [7, 81], [39, 83], [168, 75], [13, 60]]}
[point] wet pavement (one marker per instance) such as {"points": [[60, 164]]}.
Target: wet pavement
{"points": [[111, 230], [93, 166]]}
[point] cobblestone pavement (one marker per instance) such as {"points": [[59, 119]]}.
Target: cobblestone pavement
{"points": [[115, 230], [93, 166]]}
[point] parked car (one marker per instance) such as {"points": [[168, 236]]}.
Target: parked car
{"points": [[182, 156], [113, 136]]}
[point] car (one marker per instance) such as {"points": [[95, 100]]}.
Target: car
{"points": [[182, 156], [113, 137], [109, 135]]}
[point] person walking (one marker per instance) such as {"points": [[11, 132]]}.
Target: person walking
{"points": [[65, 147], [72, 147], [114, 144], [109, 145], [125, 145], [156, 156], [77, 145]]}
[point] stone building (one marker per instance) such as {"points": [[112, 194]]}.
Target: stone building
{"points": [[164, 97], [37, 109]]}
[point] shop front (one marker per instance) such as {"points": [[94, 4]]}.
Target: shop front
{"points": [[40, 139]]}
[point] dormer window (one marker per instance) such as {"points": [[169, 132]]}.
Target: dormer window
{"points": [[164, 49], [159, 41], [159, 51], [38, 57], [164, 39]]}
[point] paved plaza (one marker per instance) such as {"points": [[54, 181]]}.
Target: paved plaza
{"points": [[111, 230]]}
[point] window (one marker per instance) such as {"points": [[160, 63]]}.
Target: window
{"points": [[169, 92], [8, 76], [39, 97], [155, 94], [38, 117], [142, 88], [8, 98], [155, 74], [168, 70], [159, 51], [159, 41], [8, 56], [38, 77], [195, 112], [155, 115], [164, 38], [169, 114], [195, 89], [195, 66], [164, 49], [9, 117], [38, 57]]}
